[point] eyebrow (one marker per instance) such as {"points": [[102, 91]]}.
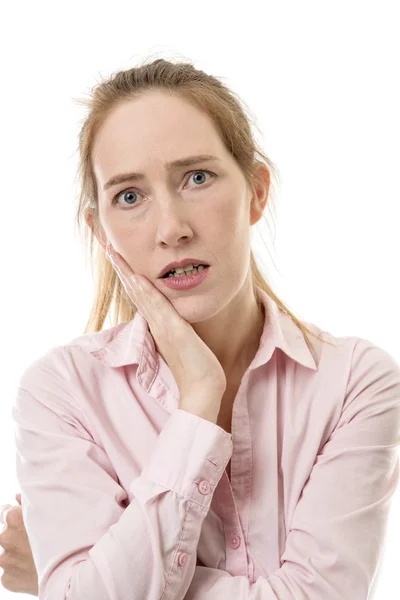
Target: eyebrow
{"points": [[182, 162]]}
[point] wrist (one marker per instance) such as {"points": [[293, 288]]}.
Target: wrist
{"points": [[207, 415]]}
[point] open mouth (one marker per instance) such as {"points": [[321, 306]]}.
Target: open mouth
{"points": [[186, 275]]}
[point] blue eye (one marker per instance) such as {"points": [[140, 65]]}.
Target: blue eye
{"points": [[131, 191]]}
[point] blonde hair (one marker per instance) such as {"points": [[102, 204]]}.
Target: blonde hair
{"points": [[228, 114]]}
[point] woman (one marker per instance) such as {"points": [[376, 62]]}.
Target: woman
{"points": [[125, 436]]}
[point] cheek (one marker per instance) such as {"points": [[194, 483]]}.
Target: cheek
{"points": [[223, 213], [130, 243]]}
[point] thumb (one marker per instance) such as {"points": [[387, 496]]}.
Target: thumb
{"points": [[18, 499]]}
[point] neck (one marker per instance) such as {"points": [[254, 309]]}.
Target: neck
{"points": [[234, 334]]}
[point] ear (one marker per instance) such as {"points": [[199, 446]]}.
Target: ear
{"points": [[89, 223], [261, 185]]}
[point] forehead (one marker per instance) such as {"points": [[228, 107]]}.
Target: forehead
{"points": [[153, 130]]}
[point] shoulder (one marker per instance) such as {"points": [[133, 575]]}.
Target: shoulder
{"points": [[54, 367]]}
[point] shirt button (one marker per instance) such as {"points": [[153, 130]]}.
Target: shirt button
{"points": [[204, 487], [182, 559], [235, 541]]}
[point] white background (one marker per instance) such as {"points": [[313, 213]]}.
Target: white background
{"points": [[321, 78]]}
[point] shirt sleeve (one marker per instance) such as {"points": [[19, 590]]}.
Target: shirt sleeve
{"points": [[337, 534], [86, 543]]}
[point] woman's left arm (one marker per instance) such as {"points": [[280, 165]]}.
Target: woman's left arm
{"points": [[336, 537]]}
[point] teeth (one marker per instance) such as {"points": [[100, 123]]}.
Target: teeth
{"points": [[182, 269], [188, 270]]}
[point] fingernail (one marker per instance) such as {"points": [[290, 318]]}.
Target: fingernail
{"points": [[109, 254]]}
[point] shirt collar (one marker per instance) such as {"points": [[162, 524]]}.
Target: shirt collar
{"points": [[132, 343]]}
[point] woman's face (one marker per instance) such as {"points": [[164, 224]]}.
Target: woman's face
{"points": [[202, 210]]}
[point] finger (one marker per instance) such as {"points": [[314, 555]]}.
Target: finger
{"points": [[164, 321], [120, 265], [4, 508], [154, 306], [132, 287], [18, 498]]}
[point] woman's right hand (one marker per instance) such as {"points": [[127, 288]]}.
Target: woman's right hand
{"points": [[197, 371], [19, 571]]}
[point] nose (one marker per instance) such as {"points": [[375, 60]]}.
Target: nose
{"points": [[173, 228]]}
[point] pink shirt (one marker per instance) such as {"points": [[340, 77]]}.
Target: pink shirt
{"points": [[122, 491]]}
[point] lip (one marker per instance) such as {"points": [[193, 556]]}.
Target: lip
{"points": [[182, 263]]}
